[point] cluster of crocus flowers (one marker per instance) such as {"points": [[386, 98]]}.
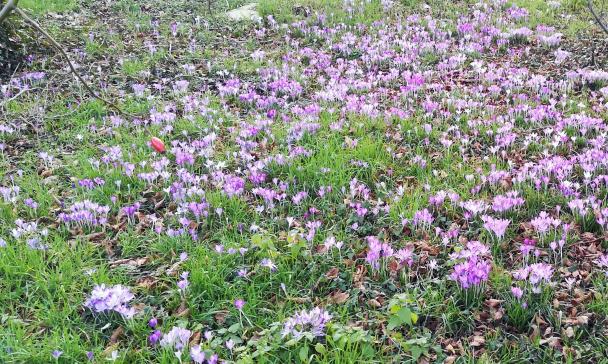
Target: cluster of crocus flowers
{"points": [[111, 298], [475, 269], [496, 226], [535, 275], [31, 233], [306, 324], [85, 213]]}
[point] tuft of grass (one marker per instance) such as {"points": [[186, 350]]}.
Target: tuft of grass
{"points": [[46, 6]]}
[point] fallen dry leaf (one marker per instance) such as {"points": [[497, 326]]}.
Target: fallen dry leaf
{"points": [[132, 262], [147, 282], [220, 317], [338, 297], [182, 310], [332, 273], [374, 303], [116, 334], [477, 341]]}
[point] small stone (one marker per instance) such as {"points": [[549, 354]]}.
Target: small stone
{"points": [[246, 12]]}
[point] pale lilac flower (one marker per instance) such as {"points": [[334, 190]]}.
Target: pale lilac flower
{"points": [[496, 226], [30, 203], [472, 272], [176, 339], [561, 56], [405, 256], [230, 344], [114, 298], [540, 272], [306, 322], [474, 207], [544, 222], [517, 292], [602, 262], [239, 304], [197, 355], [423, 217], [268, 264], [138, 89], [183, 283], [208, 335], [502, 203], [85, 213]]}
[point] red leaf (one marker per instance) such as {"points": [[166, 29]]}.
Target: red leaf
{"points": [[157, 144]]}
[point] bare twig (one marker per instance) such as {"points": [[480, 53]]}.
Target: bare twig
{"points": [[11, 6], [7, 8], [5, 102], [598, 18], [36, 26]]}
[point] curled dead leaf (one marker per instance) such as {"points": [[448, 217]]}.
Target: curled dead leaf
{"points": [[132, 262], [195, 339], [220, 317], [332, 273], [96, 237], [374, 303], [299, 299], [147, 282], [338, 297], [360, 272], [116, 334], [477, 341]]}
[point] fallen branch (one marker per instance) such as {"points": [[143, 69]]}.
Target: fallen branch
{"points": [[5, 102], [11, 6], [55, 44], [598, 18], [7, 9]]}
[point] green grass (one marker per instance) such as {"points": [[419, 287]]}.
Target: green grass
{"points": [[285, 12], [46, 6]]}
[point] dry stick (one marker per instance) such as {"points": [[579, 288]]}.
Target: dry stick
{"points": [[7, 8], [598, 20], [36, 26]]}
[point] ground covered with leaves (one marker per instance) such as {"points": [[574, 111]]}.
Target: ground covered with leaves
{"points": [[343, 181]]}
